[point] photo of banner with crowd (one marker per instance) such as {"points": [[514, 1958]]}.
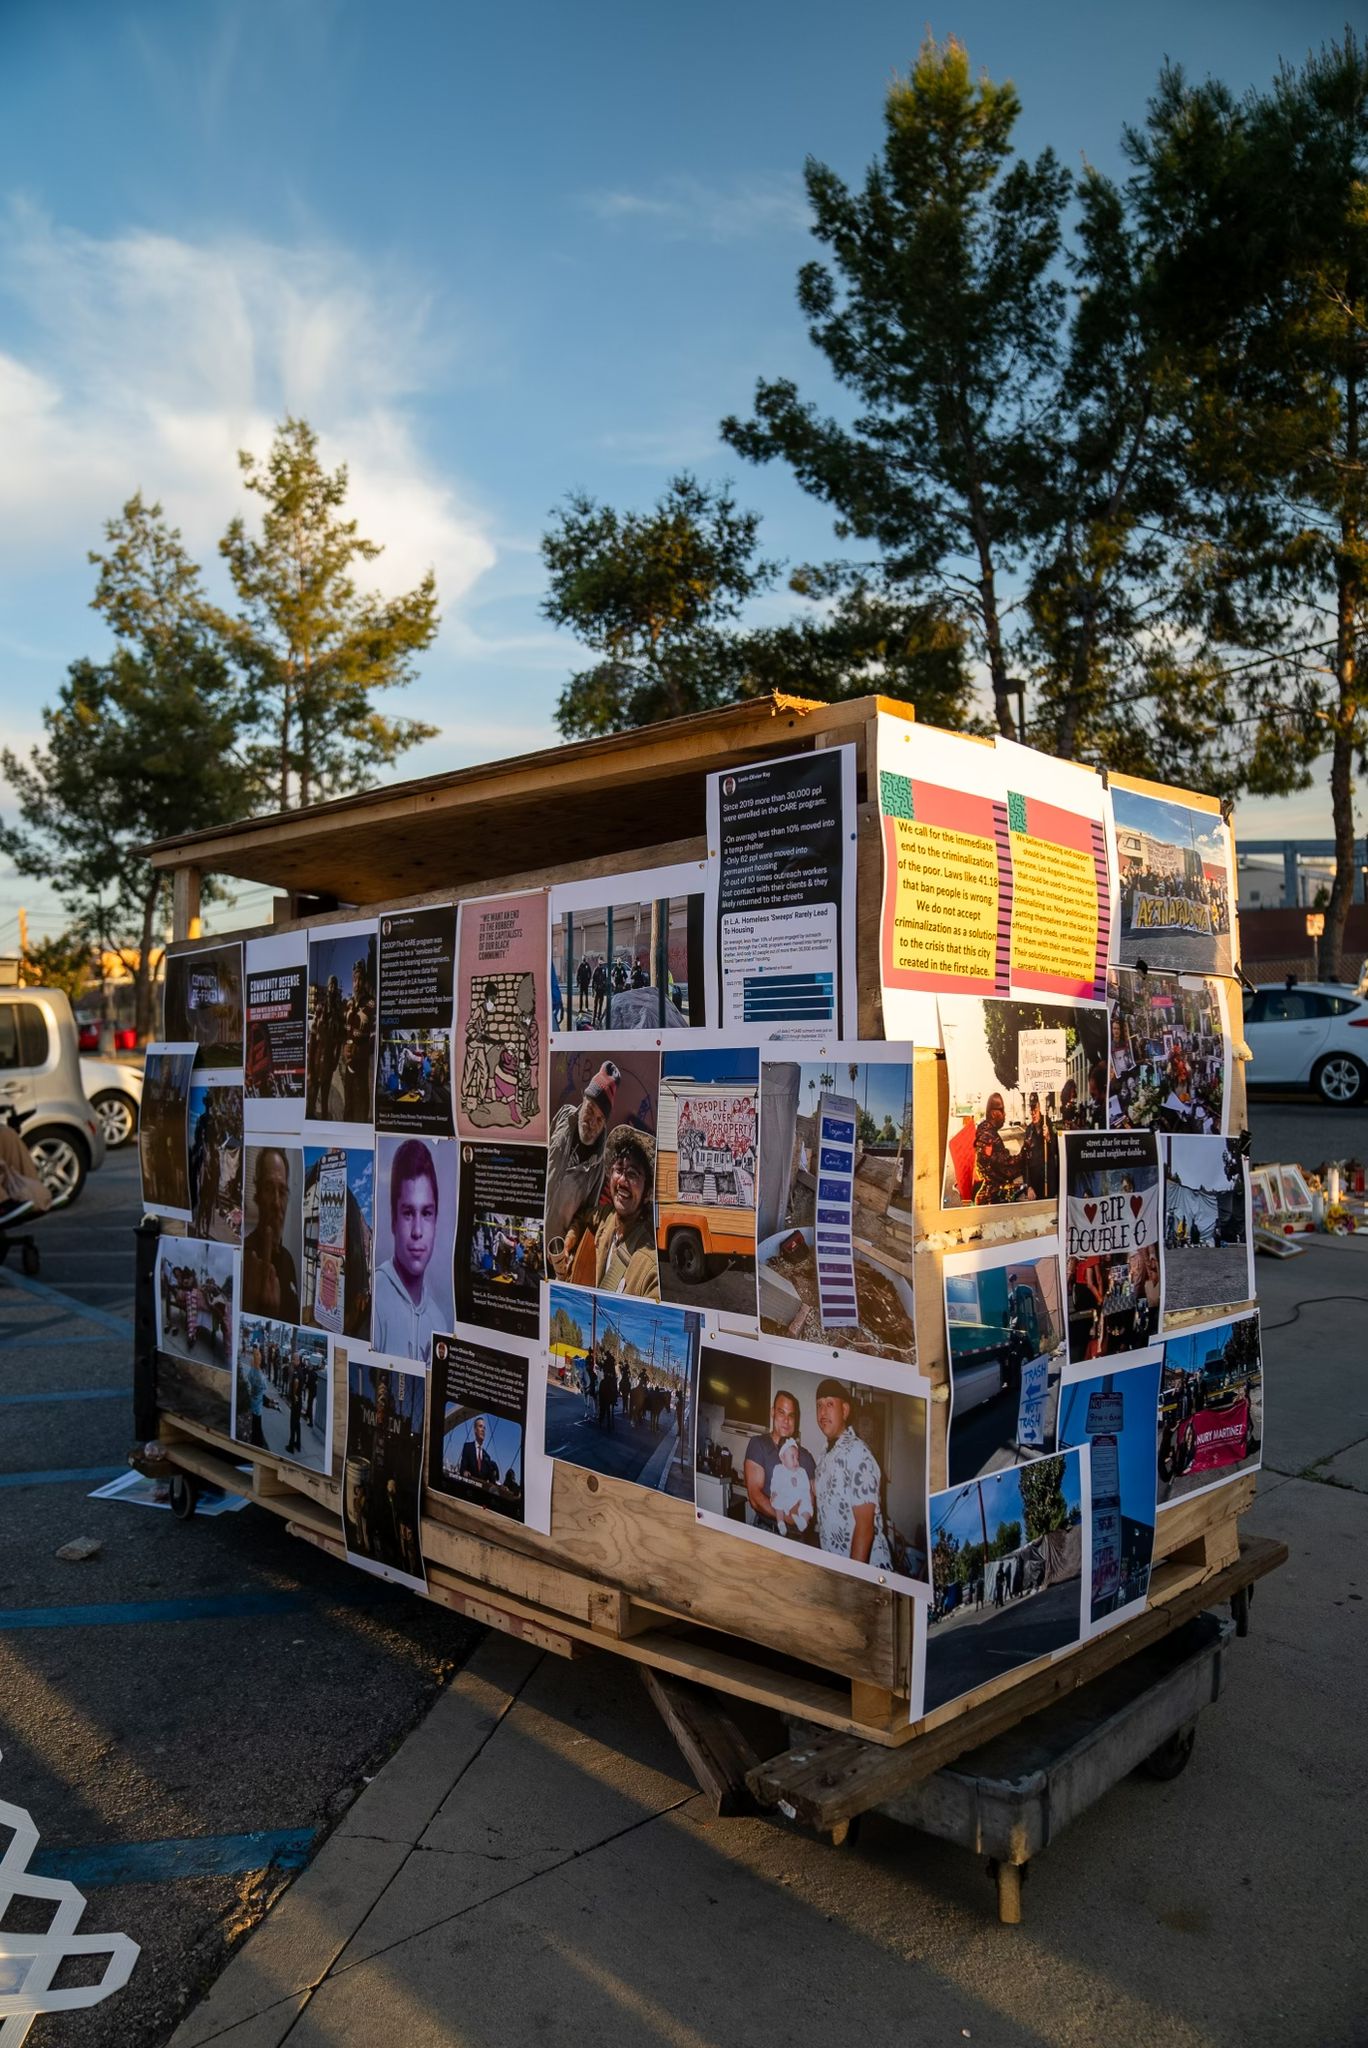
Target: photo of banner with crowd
{"points": [[602, 1175]]}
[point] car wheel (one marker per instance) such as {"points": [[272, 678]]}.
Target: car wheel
{"points": [[118, 1114], [687, 1257], [1340, 1078], [62, 1163]]}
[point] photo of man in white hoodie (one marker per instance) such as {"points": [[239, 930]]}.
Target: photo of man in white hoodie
{"points": [[413, 1281]]}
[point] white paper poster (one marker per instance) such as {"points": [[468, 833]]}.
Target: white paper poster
{"points": [[781, 897]]}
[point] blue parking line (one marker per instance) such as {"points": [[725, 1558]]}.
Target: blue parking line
{"points": [[119, 1324], [192, 1856], [121, 1613], [62, 1475], [67, 1394]]}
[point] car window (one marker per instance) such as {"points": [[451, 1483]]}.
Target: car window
{"points": [[1287, 1006], [1255, 1008], [1342, 1006], [23, 1036]]}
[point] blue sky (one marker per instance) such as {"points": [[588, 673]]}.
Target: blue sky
{"points": [[958, 1509], [492, 256]]}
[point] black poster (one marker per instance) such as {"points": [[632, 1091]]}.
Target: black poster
{"points": [[413, 1072], [477, 1439], [277, 1000], [785, 899], [501, 1201]]}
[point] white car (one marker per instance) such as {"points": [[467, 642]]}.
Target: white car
{"points": [[114, 1091], [1306, 1036]]}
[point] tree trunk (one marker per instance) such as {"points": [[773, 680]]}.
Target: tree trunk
{"points": [[1348, 596], [143, 1020]]}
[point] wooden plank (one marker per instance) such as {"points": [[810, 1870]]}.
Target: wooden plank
{"points": [[1182, 1521], [185, 903], [824, 1783], [709, 1740]]}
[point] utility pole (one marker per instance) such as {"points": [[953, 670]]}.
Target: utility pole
{"points": [[23, 937]]}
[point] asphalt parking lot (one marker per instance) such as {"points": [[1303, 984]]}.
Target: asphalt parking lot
{"points": [[184, 1713]]}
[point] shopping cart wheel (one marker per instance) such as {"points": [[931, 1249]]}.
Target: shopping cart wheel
{"points": [[184, 1496]]}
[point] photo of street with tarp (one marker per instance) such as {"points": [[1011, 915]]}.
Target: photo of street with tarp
{"points": [[1008, 1557], [621, 1387], [1208, 1225], [282, 1391], [627, 952]]}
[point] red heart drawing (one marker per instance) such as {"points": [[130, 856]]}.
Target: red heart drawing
{"points": [[1137, 1204], [1090, 1210]]}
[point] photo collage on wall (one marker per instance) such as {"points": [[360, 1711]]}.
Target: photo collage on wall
{"points": [[1068, 940], [601, 1178]]}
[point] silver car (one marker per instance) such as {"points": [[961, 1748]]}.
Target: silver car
{"points": [[114, 1091], [40, 1078]]}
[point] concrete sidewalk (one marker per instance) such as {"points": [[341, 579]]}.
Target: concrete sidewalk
{"points": [[534, 1863]]}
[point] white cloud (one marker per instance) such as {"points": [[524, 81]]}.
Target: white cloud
{"points": [[148, 361], [688, 209]]}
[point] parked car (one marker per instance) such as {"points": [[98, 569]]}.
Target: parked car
{"points": [[125, 1040], [1305, 1037], [114, 1091], [40, 1078]]}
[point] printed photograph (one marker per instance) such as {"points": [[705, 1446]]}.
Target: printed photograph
{"points": [[823, 1465], [871, 1235], [202, 1002], [417, 951], [196, 1308], [622, 1376], [603, 1112], [215, 1126], [282, 1391], [477, 1439], [1111, 1230], [499, 1267], [1208, 1225], [277, 1006], [1112, 1414], [1170, 1054], [382, 1474], [340, 1057], [1210, 1408], [164, 1130], [501, 1017], [415, 1242], [273, 1232], [1005, 1342], [339, 1223], [1173, 867], [632, 961], [1010, 1575], [705, 1182], [1019, 1075]]}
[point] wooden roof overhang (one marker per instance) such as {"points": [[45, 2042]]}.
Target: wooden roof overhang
{"points": [[590, 800]]}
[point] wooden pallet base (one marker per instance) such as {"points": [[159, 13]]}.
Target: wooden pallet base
{"points": [[569, 1615], [826, 1784]]}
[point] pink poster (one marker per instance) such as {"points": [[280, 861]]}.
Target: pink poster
{"points": [[501, 1017]]}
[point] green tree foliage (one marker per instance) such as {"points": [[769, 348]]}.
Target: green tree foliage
{"points": [[314, 649], [137, 748], [1042, 1497], [940, 313], [1257, 214], [655, 595], [65, 962]]}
